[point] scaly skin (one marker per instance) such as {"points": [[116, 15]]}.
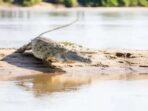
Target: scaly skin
{"points": [[50, 51]]}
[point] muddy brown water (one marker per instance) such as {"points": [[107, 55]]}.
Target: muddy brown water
{"points": [[75, 93]]}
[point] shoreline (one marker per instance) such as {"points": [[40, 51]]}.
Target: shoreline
{"points": [[52, 7], [109, 64]]}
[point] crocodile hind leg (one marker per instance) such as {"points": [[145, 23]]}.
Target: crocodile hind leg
{"points": [[24, 48], [47, 62]]}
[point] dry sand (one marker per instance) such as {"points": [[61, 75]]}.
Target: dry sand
{"points": [[106, 64]]}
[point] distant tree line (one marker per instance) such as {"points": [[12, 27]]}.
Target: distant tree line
{"points": [[85, 3]]}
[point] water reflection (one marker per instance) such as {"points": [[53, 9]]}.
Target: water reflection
{"points": [[14, 14], [74, 93], [104, 96], [22, 14], [48, 84]]}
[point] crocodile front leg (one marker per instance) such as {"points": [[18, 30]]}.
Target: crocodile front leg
{"points": [[24, 48]]}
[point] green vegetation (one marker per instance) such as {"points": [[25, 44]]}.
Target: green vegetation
{"points": [[22, 2], [0, 1], [70, 3], [9, 1], [113, 3], [85, 3], [30, 2], [89, 3], [131, 2], [110, 3], [144, 3], [54, 1]]}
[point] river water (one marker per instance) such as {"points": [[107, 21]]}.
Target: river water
{"points": [[103, 29], [44, 95], [95, 29]]}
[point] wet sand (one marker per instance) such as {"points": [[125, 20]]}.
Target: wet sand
{"points": [[106, 64]]}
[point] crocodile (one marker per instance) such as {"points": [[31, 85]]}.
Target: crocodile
{"points": [[50, 51]]}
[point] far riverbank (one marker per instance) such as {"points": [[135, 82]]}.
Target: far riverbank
{"points": [[51, 7]]}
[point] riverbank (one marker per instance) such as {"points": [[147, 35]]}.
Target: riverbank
{"points": [[51, 7], [107, 64]]}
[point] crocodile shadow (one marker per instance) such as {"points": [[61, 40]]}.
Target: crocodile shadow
{"points": [[28, 61]]}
